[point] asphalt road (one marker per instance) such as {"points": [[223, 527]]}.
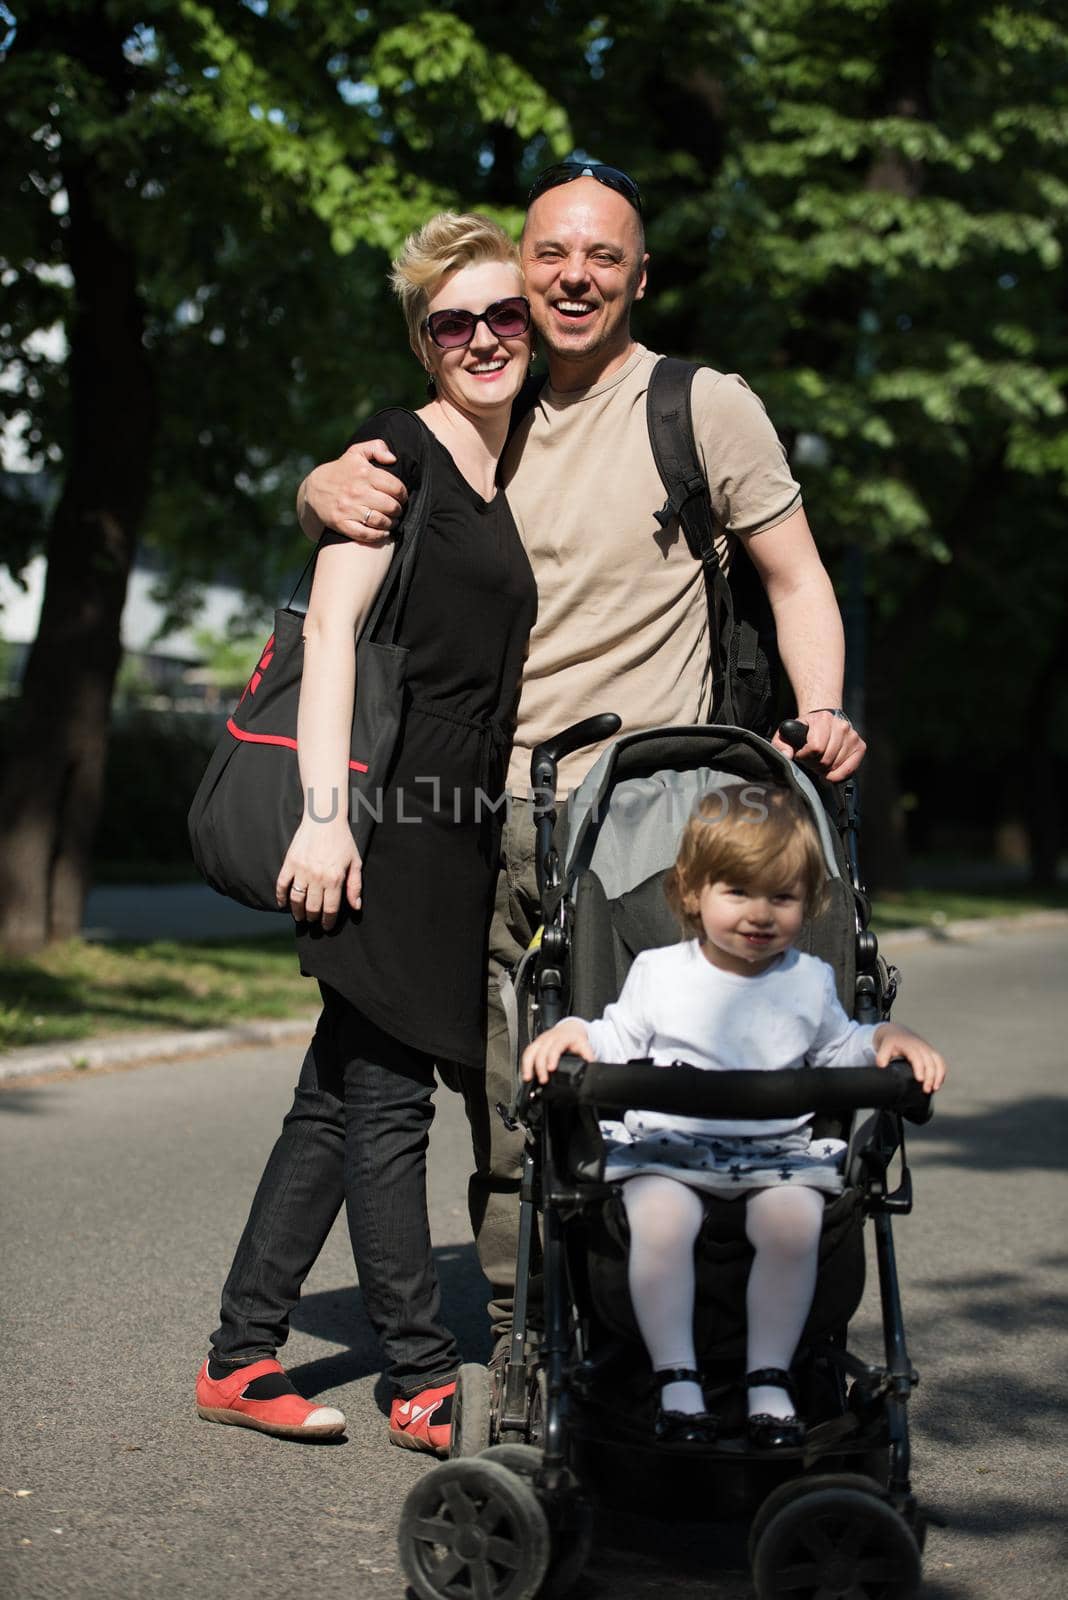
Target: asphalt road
{"points": [[123, 1195], [173, 911]]}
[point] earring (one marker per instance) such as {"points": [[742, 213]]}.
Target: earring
{"points": [[431, 384]]}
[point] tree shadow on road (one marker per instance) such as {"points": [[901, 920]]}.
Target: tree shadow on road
{"points": [[1018, 1135], [637, 1557], [1004, 1395], [29, 1102], [338, 1316]]}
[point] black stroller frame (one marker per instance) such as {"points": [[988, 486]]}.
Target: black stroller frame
{"points": [[506, 1518]]}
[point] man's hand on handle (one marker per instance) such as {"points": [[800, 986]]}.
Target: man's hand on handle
{"points": [[832, 741], [355, 495]]}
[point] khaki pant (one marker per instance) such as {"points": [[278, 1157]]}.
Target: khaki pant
{"points": [[493, 1190]]}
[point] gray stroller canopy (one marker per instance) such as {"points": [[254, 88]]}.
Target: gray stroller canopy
{"points": [[625, 818]]}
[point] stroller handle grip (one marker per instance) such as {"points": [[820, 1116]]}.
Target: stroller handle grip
{"points": [[546, 757], [693, 1092]]}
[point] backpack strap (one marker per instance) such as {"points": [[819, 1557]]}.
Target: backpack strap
{"points": [[670, 418]]}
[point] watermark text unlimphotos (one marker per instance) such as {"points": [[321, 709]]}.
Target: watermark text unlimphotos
{"points": [[409, 808]]}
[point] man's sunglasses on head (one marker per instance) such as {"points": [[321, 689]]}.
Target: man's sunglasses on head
{"points": [[506, 319], [567, 171]]}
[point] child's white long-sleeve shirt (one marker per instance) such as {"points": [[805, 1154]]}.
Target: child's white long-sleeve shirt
{"points": [[676, 1006]]}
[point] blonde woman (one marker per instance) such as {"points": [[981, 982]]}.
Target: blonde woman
{"points": [[397, 944]]}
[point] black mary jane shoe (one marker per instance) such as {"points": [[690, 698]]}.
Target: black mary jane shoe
{"points": [[682, 1427], [764, 1431]]}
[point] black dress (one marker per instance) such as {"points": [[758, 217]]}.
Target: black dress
{"points": [[414, 958]]}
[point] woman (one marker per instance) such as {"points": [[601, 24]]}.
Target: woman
{"points": [[398, 943]]}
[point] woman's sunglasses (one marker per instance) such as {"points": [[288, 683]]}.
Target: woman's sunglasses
{"points": [[506, 319], [567, 171]]}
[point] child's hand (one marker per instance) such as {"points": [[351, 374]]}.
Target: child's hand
{"points": [[567, 1038], [892, 1040]]}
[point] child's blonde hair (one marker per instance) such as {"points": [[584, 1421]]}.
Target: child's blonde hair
{"points": [[750, 835], [449, 241]]}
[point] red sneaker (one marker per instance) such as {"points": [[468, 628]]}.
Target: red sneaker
{"points": [[273, 1407], [425, 1421]]}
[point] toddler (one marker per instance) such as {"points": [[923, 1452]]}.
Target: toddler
{"points": [[749, 871]]}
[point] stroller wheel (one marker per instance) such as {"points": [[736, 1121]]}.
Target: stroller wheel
{"points": [[839, 1544], [805, 1483], [571, 1523], [473, 1528], [470, 1411]]}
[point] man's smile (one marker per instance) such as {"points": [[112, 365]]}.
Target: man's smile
{"points": [[574, 309]]}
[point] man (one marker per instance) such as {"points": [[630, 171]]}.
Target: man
{"points": [[622, 620]]}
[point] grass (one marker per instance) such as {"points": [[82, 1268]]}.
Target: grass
{"points": [[77, 990], [923, 907], [82, 991]]}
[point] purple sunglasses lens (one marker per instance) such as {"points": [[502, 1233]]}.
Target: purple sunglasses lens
{"points": [[509, 319], [452, 329]]}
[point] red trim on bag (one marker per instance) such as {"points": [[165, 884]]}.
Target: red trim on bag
{"points": [[261, 667], [279, 739]]}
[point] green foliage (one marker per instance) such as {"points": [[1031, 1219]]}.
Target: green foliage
{"points": [[226, 655], [861, 205], [807, 167], [262, 164]]}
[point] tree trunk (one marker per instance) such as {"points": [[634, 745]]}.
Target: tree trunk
{"points": [[51, 791], [903, 92], [1042, 804], [885, 852]]}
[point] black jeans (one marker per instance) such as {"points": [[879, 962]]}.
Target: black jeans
{"points": [[358, 1131]]}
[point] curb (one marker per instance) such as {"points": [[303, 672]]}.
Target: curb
{"points": [[87, 1055], [41, 1061], [973, 928]]}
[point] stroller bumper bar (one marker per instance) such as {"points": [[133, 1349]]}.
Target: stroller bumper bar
{"points": [[694, 1092]]}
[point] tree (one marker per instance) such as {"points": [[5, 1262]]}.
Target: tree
{"points": [[205, 195], [862, 207]]}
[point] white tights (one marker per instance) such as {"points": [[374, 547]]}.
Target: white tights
{"points": [[782, 1225]]}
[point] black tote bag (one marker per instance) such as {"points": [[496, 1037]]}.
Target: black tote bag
{"points": [[250, 801]]}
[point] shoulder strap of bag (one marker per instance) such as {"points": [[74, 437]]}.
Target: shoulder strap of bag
{"points": [[398, 579], [304, 574], [410, 529]]}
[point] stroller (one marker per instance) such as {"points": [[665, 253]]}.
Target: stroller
{"points": [[570, 1413]]}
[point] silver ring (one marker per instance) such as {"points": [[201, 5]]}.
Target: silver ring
{"points": [[366, 519], [299, 888]]}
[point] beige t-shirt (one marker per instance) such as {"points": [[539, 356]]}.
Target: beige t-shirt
{"points": [[622, 616]]}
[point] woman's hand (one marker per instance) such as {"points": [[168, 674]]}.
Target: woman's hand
{"points": [[892, 1040], [541, 1058], [322, 864]]}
